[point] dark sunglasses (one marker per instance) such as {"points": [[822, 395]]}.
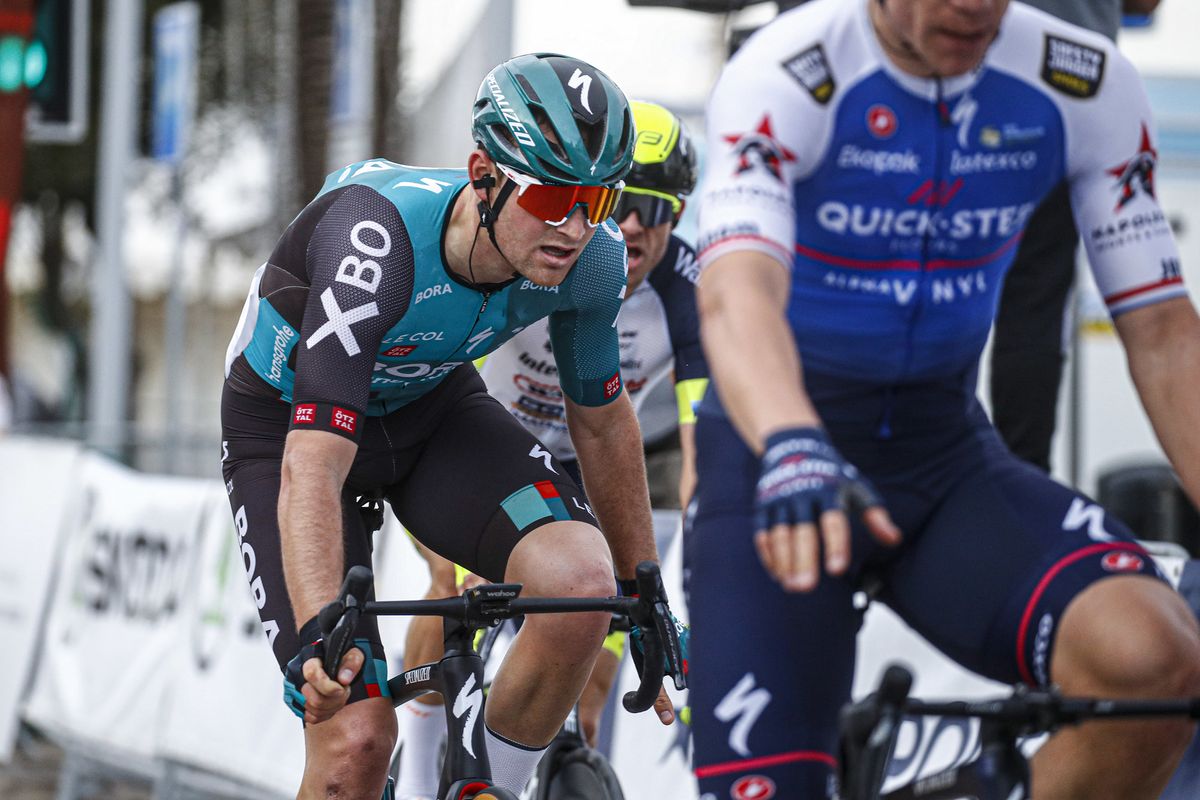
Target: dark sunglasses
{"points": [[652, 208]]}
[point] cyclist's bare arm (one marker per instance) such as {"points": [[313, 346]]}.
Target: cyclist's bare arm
{"points": [[754, 362], [751, 354], [315, 465], [1162, 342], [687, 471], [608, 443]]}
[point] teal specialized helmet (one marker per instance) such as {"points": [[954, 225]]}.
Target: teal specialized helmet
{"points": [[587, 114]]}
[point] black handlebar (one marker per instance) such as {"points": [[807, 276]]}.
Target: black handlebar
{"points": [[491, 603], [339, 619], [868, 727], [661, 652]]}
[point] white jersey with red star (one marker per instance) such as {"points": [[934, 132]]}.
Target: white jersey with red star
{"points": [[898, 202]]}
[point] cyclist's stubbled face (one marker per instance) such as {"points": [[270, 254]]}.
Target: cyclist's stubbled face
{"points": [[646, 247], [937, 37], [539, 251]]}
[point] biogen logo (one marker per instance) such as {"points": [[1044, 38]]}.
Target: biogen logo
{"points": [[344, 419], [612, 386], [305, 414]]}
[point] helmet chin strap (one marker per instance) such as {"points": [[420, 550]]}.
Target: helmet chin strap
{"points": [[488, 215]]}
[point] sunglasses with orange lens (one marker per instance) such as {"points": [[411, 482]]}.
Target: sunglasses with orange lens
{"points": [[555, 203]]}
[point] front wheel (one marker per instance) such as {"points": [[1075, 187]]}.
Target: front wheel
{"points": [[475, 789], [494, 793]]}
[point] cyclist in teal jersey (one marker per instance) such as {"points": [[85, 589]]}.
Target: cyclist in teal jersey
{"points": [[350, 372]]}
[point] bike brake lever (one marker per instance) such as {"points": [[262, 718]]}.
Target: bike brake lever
{"points": [[339, 618]]}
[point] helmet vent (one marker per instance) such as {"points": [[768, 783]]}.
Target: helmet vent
{"points": [[549, 132], [528, 87]]}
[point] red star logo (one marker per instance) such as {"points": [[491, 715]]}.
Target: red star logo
{"points": [[760, 148], [1136, 172]]}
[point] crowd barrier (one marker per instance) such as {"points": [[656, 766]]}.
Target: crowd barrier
{"points": [[136, 640]]}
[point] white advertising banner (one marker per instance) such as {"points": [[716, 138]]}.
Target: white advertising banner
{"points": [[35, 493], [227, 713], [126, 566]]}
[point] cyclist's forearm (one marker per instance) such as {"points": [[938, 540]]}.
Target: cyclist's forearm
{"points": [[1164, 359], [749, 347], [609, 446], [310, 524], [687, 467]]}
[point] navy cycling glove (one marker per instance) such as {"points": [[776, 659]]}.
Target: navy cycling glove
{"points": [[803, 476]]}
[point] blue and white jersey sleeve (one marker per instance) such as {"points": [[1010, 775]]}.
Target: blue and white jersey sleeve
{"points": [[767, 127], [1111, 155]]}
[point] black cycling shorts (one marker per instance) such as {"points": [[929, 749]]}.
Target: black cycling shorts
{"points": [[460, 473]]}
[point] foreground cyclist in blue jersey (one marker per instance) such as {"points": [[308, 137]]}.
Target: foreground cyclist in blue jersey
{"points": [[871, 168], [351, 371]]}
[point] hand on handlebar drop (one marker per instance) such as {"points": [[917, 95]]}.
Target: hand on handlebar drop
{"points": [[309, 692], [803, 494], [662, 705]]}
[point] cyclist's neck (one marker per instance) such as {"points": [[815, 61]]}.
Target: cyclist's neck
{"points": [[468, 249]]}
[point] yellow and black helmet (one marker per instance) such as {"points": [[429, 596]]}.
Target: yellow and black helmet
{"points": [[664, 159]]}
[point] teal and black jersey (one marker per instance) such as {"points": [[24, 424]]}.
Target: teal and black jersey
{"points": [[356, 311]]}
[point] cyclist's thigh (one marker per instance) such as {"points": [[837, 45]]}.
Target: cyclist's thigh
{"points": [[1001, 558], [769, 669], [481, 483], [253, 442]]}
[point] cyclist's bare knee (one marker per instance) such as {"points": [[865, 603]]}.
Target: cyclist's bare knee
{"points": [[1131, 636], [347, 756], [563, 559], [1128, 635]]}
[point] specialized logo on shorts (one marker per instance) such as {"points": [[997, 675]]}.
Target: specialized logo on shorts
{"points": [[343, 419], [881, 121], [1137, 173], [753, 787], [1072, 68], [399, 351], [304, 414], [1122, 561], [811, 70], [760, 149], [612, 385], [742, 706]]}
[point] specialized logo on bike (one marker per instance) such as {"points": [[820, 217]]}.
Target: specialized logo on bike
{"points": [[466, 707], [753, 787]]}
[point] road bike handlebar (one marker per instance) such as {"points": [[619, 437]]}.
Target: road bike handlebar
{"points": [[869, 726], [492, 603]]}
